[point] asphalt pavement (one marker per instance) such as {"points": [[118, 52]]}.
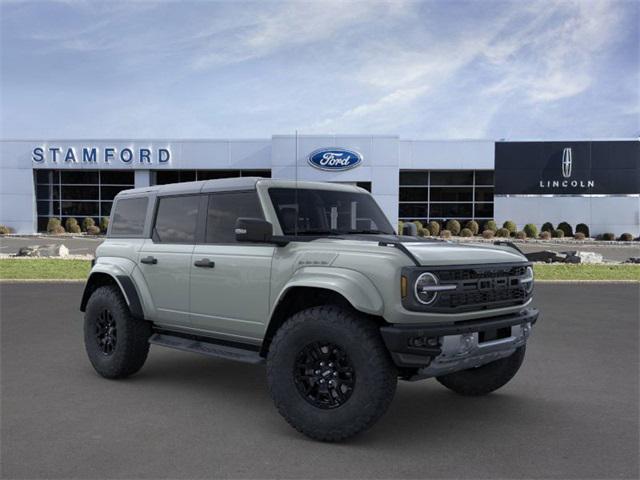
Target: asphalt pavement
{"points": [[571, 412]]}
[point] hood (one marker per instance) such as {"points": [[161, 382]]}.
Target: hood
{"points": [[446, 253], [430, 251]]}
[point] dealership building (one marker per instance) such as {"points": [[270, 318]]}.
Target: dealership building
{"points": [[596, 182]]}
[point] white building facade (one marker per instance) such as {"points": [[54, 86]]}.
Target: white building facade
{"points": [[591, 182]]}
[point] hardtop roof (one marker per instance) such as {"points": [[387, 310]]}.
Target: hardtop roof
{"points": [[232, 184]]}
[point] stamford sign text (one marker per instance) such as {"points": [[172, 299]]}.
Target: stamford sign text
{"points": [[108, 155]]}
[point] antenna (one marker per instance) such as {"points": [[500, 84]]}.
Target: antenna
{"points": [[295, 223]]}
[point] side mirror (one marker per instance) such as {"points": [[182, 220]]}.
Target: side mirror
{"points": [[253, 230]]}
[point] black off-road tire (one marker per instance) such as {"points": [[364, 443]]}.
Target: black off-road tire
{"points": [[485, 379], [375, 376], [131, 346]]}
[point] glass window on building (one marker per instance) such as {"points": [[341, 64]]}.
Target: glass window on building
{"points": [[71, 193], [442, 195]]}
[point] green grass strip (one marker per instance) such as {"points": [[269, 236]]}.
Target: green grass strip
{"points": [[43, 269], [564, 271], [50, 269]]}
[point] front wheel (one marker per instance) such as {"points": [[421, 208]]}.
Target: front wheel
{"points": [[485, 379], [329, 373]]}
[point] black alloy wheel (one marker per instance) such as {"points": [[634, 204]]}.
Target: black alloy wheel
{"points": [[106, 332], [324, 375]]}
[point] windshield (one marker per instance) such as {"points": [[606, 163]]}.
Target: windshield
{"points": [[310, 212]]}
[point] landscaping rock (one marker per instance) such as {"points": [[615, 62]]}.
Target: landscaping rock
{"points": [[52, 250], [588, 257], [632, 260], [546, 256]]}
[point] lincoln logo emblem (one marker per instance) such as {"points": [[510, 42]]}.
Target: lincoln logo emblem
{"points": [[566, 162]]}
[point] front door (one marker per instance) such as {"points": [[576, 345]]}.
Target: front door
{"points": [[165, 259], [230, 281]]}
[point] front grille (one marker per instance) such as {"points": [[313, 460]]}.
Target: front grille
{"points": [[486, 299], [478, 288], [467, 273]]}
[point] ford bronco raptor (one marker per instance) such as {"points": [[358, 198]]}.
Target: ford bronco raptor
{"points": [[311, 280]]}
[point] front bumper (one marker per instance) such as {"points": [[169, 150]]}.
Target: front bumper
{"points": [[436, 350]]}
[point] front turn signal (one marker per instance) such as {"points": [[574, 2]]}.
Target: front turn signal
{"points": [[403, 286]]}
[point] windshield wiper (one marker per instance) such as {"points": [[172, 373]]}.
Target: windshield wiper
{"points": [[319, 232], [364, 232]]}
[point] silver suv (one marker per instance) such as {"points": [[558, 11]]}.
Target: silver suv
{"points": [[311, 279]]}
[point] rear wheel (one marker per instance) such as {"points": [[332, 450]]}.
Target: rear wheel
{"points": [[329, 373], [485, 379], [116, 343]]}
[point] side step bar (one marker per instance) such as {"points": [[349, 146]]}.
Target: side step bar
{"points": [[206, 348]]}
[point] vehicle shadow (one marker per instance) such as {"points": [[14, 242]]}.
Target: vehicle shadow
{"points": [[420, 411]]}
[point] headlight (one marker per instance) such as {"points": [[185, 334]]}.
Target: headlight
{"points": [[427, 287], [527, 280]]}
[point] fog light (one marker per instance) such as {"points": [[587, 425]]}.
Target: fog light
{"points": [[421, 342]]}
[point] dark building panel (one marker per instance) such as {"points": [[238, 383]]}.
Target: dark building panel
{"points": [[553, 168]]}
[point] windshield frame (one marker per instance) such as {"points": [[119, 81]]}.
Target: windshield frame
{"points": [[363, 200]]}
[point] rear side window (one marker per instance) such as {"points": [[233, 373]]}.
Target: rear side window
{"points": [[176, 219], [128, 218], [224, 209]]}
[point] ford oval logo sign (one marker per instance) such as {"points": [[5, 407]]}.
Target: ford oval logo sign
{"points": [[334, 159]]}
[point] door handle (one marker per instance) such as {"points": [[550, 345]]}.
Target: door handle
{"points": [[205, 262], [149, 260]]}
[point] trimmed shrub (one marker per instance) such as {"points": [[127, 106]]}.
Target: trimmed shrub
{"points": [[491, 225], [445, 234], [417, 223], [511, 226], [566, 228], [104, 224], [453, 226], [521, 235], [531, 230], [626, 237], [545, 235], [557, 233], [608, 236], [579, 236], [57, 230], [434, 228], [71, 225], [473, 226], [547, 227], [503, 233], [93, 230], [88, 222], [488, 234], [52, 224], [5, 230], [400, 225], [466, 232], [423, 232], [583, 228]]}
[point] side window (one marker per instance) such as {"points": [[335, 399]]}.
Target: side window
{"points": [[176, 219], [128, 217], [224, 209]]}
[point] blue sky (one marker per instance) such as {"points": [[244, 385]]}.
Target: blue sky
{"points": [[423, 70]]}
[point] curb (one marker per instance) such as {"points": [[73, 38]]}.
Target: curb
{"points": [[43, 280], [587, 281]]}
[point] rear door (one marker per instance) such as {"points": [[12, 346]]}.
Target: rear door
{"points": [[165, 259], [230, 280]]}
